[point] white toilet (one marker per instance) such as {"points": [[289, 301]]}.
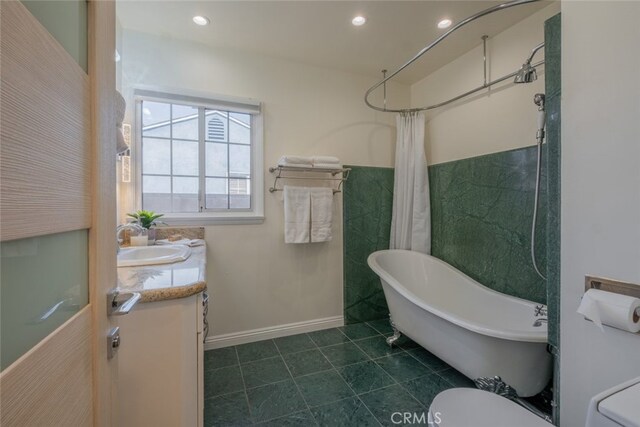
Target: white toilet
{"points": [[618, 406], [467, 407]]}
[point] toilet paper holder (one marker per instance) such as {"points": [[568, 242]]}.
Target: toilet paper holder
{"points": [[614, 286], [611, 285]]}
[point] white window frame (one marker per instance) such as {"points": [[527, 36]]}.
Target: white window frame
{"points": [[254, 215]]}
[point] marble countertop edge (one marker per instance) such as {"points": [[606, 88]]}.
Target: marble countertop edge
{"points": [[162, 282], [154, 295]]}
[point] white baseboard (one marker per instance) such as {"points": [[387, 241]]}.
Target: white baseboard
{"points": [[244, 337]]}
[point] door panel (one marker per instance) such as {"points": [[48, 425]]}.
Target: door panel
{"points": [[102, 242], [46, 132], [52, 385], [57, 177], [44, 281]]}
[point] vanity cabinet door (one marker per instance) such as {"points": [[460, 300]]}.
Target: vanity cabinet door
{"points": [[160, 364]]}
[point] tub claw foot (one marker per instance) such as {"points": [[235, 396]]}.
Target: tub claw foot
{"points": [[395, 337], [497, 386]]}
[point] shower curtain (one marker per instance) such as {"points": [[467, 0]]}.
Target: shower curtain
{"points": [[411, 218]]}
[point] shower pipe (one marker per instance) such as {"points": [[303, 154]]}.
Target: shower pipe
{"points": [[424, 50]]}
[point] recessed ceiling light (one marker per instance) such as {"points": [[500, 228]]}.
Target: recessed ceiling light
{"points": [[358, 21], [201, 20], [445, 23]]}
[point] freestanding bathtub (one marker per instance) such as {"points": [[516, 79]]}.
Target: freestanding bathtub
{"points": [[478, 331]]}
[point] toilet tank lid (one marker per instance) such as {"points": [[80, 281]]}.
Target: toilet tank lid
{"points": [[623, 405]]}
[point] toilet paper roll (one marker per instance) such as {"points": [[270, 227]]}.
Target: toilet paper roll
{"points": [[615, 310]]}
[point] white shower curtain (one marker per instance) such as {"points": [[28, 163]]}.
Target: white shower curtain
{"points": [[411, 220]]}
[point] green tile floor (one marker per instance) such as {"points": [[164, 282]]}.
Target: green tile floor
{"points": [[336, 377]]}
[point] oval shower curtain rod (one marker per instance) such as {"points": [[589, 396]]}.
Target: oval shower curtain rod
{"points": [[424, 50]]}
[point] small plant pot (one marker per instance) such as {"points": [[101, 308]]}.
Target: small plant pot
{"points": [[139, 239], [151, 233]]}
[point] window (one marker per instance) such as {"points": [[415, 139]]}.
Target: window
{"points": [[199, 158]]}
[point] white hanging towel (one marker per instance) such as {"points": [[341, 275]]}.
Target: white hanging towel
{"points": [[411, 217], [297, 214], [321, 214]]}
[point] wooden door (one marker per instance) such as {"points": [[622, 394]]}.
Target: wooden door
{"points": [[57, 190]]}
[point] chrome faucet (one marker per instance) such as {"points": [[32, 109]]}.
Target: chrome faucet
{"points": [[540, 321], [129, 226], [540, 310]]}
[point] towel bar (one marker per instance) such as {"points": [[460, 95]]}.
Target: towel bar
{"points": [[273, 190], [279, 170]]}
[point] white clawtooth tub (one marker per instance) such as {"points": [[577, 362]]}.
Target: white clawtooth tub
{"points": [[478, 331]]}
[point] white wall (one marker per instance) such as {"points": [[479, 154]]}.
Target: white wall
{"points": [[119, 50], [600, 190], [256, 280], [501, 119]]}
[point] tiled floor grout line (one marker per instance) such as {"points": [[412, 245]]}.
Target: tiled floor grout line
{"points": [[447, 380], [298, 351], [333, 368], [337, 369], [281, 416], [355, 395], [431, 372], [374, 328], [350, 388], [412, 395], [244, 384], [358, 397], [295, 382], [401, 351], [398, 383]]}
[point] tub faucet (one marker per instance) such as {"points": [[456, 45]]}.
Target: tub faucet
{"points": [[540, 310], [121, 228], [539, 322]]}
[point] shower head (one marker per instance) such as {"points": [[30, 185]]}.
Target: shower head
{"points": [[526, 74]]}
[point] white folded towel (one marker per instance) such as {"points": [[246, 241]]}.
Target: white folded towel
{"points": [[327, 165], [296, 165], [297, 214], [321, 214], [187, 242], [325, 159], [295, 160]]}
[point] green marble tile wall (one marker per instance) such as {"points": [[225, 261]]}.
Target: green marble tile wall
{"points": [[481, 217], [552, 54], [368, 198], [481, 212], [552, 36]]}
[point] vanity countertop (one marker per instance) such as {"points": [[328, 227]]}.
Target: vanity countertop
{"points": [[166, 281]]}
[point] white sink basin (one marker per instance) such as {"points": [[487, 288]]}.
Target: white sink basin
{"points": [[151, 255]]}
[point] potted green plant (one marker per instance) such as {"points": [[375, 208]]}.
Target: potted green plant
{"points": [[148, 220]]}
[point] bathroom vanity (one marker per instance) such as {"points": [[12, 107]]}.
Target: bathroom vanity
{"points": [[160, 360]]}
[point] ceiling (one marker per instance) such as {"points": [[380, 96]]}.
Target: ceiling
{"points": [[320, 32]]}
